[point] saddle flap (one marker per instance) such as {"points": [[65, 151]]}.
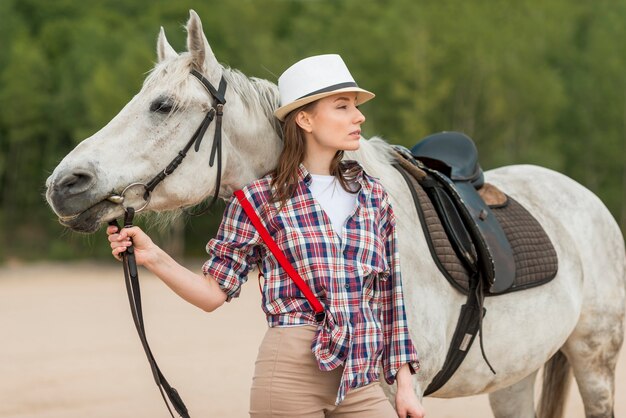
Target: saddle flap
{"points": [[496, 252], [453, 225]]}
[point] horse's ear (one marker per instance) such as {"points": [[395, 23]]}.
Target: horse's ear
{"points": [[197, 44], [164, 49]]}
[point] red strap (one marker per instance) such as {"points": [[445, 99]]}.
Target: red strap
{"points": [[282, 260]]}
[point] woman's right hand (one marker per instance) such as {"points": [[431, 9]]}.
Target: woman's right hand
{"points": [[201, 291], [145, 250]]}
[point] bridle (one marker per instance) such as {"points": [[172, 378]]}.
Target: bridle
{"points": [[215, 112], [128, 257]]}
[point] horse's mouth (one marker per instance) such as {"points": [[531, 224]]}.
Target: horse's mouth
{"points": [[88, 221]]}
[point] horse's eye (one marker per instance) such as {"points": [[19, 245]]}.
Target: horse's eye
{"points": [[162, 105]]}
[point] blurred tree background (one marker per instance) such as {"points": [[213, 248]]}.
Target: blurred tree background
{"points": [[532, 81]]}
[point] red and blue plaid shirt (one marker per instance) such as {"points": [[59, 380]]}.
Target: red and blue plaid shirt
{"points": [[356, 276]]}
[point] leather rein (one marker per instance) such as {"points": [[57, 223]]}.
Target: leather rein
{"points": [[131, 274]]}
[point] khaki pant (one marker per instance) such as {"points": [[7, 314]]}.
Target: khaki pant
{"points": [[287, 382]]}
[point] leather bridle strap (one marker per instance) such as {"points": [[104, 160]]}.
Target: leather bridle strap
{"points": [[216, 149], [131, 274], [133, 289], [217, 111]]}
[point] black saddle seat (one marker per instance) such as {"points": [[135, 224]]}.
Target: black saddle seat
{"points": [[452, 153]]}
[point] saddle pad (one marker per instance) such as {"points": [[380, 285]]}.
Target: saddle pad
{"points": [[535, 257]]}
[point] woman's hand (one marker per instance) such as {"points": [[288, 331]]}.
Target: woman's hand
{"points": [[203, 292], [407, 402], [145, 250], [408, 405]]}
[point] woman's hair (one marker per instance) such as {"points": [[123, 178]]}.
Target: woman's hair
{"points": [[285, 175]]}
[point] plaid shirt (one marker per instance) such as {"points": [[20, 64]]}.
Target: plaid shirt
{"points": [[355, 276]]}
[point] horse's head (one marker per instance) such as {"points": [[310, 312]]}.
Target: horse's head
{"points": [[85, 189]]}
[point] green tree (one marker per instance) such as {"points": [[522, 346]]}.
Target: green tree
{"points": [[531, 81]]}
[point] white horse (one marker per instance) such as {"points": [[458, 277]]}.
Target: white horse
{"points": [[579, 315]]}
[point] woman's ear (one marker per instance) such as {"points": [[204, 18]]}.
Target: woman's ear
{"points": [[303, 119]]}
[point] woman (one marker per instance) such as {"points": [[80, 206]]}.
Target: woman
{"points": [[335, 225]]}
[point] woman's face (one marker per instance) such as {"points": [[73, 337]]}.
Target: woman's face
{"points": [[333, 123]]}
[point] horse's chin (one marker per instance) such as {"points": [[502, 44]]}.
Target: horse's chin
{"points": [[89, 221]]}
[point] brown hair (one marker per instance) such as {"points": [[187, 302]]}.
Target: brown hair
{"points": [[285, 175]]}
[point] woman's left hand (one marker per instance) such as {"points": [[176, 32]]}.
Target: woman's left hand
{"points": [[408, 405], [407, 402]]}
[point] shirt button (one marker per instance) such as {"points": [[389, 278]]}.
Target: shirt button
{"points": [[347, 286]]}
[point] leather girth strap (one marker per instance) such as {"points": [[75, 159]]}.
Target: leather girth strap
{"points": [[467, 328], [131, 277], [317, 306]]}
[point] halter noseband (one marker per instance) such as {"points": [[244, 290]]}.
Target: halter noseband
{"points": [[215, 112]]}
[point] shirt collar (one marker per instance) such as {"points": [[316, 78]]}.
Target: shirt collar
{"points": [[305, 176]]}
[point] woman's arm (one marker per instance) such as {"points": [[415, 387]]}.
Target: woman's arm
{"points": [[400, 359], [398, 345], [407, 402], [203, 292]]}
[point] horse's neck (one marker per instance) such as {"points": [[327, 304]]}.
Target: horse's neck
{"points": [[251, 159], [255, 140]]}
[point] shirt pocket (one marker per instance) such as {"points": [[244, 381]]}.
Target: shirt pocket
{"points": [[369, 246], [371, 288], [372, 291]]}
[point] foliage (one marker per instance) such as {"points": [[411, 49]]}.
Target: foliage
{"points": [[531, 81]]}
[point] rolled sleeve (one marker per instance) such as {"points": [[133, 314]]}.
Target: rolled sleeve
{"points": [[398, 347], [234, 250]]}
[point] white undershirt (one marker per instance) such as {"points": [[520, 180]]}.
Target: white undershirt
{"points": [[336, 202]]}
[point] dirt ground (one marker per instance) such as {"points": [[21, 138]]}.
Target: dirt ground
{"points": [[68, 349]]}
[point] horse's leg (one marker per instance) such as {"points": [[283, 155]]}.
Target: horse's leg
{"points": [[516, 400], [593, 347], [593, 354], [557, 377]]}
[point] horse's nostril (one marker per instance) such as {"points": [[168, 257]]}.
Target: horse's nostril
{"points": [[75, 183]]}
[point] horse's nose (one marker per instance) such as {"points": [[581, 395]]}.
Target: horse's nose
{"points": [[75, 182]]}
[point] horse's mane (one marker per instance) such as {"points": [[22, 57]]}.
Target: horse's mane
{"points": [[256, 93]]}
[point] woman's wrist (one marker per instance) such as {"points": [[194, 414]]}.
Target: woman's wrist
{"points": [[406, 387], [403, 378], [155, 257]]}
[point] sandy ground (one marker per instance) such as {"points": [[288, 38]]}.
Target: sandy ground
{"points": [[68, 349]]}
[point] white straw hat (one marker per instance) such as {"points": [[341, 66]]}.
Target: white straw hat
{"points": [[313, 78]]}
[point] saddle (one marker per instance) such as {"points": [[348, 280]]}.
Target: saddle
{"points": [[452, 183], [473, 229], [478, 236]]}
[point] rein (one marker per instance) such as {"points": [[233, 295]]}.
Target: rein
{"points": [[131, 274]]}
